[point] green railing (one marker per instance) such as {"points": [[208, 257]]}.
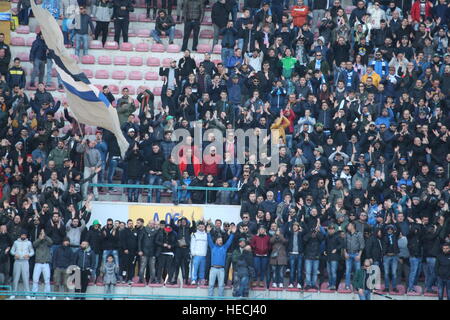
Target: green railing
{"points": [[151, 187]]}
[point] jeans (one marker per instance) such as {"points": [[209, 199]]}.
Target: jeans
{"points": [[154, 180], [365, 296], [81, 38], [49, 73], [226, 54], [260, 264], [87, 172], [156, 34], [216, 35], [114, 253], [21, 270], [53, 249], [390, 264], [198, 268], [443, 284], [121, 26], [24, 15], [113, 162], [241, 285], [332, 272], [38, 269], [350, 264], [311, 268], [94, 270], [277, 272], [191, 26], [147, 262], [430, 274], [38, 70], [133, 193], [295, 265], [414, 264], [219, 275], [168, 184]]}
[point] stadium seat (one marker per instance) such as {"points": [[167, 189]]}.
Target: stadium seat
{"points": [[166, 62], [131, 33], [133, 17], [143, 18], [135, 75], [29, 41], [151, 76], [76, 58], [99, 87], [104, 60], [111, 45], [157, 91], [157, 47], [217, 49], [17, 41], [203, 48], [178, 34], [143, 33], [153, 62], [142, 47], [207, 21], [206, 34], [120, 61], [102, 74], [95, 44], [173, 48], [136, 61], [113, 88], [54, 72], [23, 56], [88, 59], [126, 46], [23, 30], [119, 75], [88, 72]]}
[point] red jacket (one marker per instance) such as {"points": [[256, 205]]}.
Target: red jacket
{"points": [[299, 15], [415, 10], [195, 162], [210, 165], [260, 245]]}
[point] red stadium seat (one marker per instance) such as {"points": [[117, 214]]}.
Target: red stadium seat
{"points": [[173, 48], [136, 61], [157, 47], [88, 59], [143, 33], [120, 61], [135, 75], [24, 56], [102, 74], [29, 41], [119, 75], [153, 62], [95, 44], [126, 46], [178, 34], [104, 60], [166, 62], [76, 58], [111, 45], [206, 34], [88, 72], [133, 17], [207, 21], [204, 48], [114, 89], [151, 76], [23, 30], [131, 89], [217, 49], [142, 47], [17, 41], [157, 91], [216, 61], [143, 18]]}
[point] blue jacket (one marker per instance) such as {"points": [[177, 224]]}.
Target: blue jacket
{"points": [[62, 258], [219, 254], [85, 259]]}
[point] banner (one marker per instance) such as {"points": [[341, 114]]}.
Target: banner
{"points": [[5, 16], [167, 213]]}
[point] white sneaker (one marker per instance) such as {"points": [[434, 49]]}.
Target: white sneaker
{"points": [[66, 298], [290, 285], [193, 282], [12, 298], [30, 298], [274, 285], [280, 285], [299, 286]]}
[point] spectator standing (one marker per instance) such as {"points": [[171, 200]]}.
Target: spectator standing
{"points": [[110, 270], [193, 13], [121, 18], [42, 262], [82, 24], [16, 75], [146, 249], [38, 56], [22, 250], [84, 259], [103, 11], [199, 247], [443, 271], [354, 244], [92, 162], [219, 17], [360, 281], [62, 258]]}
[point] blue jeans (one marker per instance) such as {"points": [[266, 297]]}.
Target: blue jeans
{"points": [[53, 249], [350, 264], [365, 296], [133, 193], [390, 270], [226, 54], [295, 265], [154, 180], [430, 274], [81, 38], [277, 272], [49, 73], [332, 271], [198, 268], [156, 34], [168, 184], [38, 70], [311, 268], [113, 162], [94, 270], [260, 264], [243, 286], [414, 264], [219, 275], [443, 284]]}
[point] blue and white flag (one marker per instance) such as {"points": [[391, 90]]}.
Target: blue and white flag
{"points": [[5, 16], [88, 104]]}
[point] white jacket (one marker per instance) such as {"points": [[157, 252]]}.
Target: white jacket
{"points": [[22, 248], [376, 14], [199, 244]]}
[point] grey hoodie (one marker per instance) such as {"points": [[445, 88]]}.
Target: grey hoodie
{"points": [[22, 248]]}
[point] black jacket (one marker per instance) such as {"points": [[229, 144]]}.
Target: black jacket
{"points": [[146, 241], [333, 242], [251, 208], [430, 242], [55, 233], [289, 234], [94, 237], [390, 245], [154, 161], [85, 259], [110, 241], [312, 245], [183, 232], [443, 266], [219, 14], [63, 256], [135, 164], [373, 248], [415, 245], [164, 238], [129, 240], [118, 13]]}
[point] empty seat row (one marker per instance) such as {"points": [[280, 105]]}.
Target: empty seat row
{"points": [[122, 75]]}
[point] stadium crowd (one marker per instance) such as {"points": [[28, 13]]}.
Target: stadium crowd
{"points": [[359, 116]]}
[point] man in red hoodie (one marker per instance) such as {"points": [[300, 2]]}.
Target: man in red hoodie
{"points": [[260, 244], [211, 161], [421, 9], [300, 13]]}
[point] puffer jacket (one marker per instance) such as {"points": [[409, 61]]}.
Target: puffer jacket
{"points": [[199, 244], [43, 250], [22, 248], [146, 241]]}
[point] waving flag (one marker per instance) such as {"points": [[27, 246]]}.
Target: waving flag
{"points": [[88, 104]]}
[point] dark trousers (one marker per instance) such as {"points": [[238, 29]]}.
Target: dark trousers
{"points": [[127, 266], [228, 266], [23, 16], [121, 26], [182, 259], [151, 4], [164, 265], [167, 4], [101, 27], [190, 26], [84, 282]]}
